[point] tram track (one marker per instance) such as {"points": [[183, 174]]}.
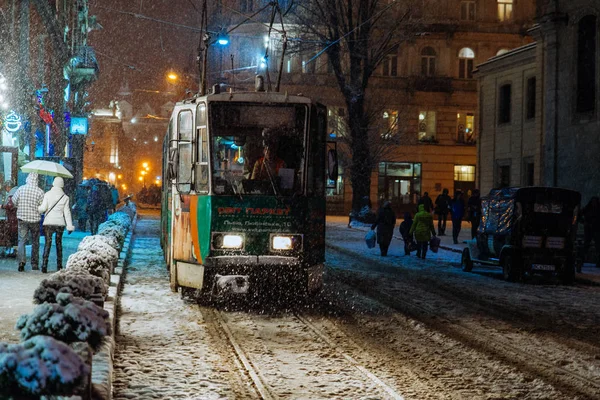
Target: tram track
{"points": [[423, 305], [255, 376]]}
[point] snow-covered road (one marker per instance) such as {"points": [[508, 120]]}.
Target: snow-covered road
{"points": [[382, 328]]}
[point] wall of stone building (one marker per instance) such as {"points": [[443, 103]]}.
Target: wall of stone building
{"points": [[515, 142], [571, 139]]}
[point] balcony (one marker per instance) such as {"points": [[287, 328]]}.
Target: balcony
{"points": [[83, 66], [466, 140]]}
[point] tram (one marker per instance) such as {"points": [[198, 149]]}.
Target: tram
{"points": [[243, 205]]}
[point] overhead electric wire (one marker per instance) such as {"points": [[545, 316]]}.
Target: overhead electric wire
{"points": [[132, 67], [352, 30]]}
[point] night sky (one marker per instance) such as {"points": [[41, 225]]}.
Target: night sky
{"points": [[141, 50]]}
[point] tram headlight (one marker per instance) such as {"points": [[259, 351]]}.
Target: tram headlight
{"points": [[228, 241], [233, 241], [286, 242]]}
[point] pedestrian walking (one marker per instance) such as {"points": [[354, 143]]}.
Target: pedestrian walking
{"points": [[95, 208], [57, 211], [458, 212], [27, 199], [422, 227], [385, 222], [591, 227], [427, 202], [9, 215], [404, 232], [474, 212], [442, 208]]}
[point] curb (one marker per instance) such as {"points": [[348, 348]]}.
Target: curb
{"points": [[102, 362]]}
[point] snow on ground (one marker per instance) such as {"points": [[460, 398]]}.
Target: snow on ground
{"points": [[16, 288], [163, 350]]}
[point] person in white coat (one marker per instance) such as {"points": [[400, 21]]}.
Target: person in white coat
{"points": [[58, 215]]}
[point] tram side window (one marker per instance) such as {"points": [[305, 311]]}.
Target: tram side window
{"points": [[184, 144], [202, 171]]}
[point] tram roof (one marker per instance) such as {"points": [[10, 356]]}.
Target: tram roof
{"points": [[250, 97]]}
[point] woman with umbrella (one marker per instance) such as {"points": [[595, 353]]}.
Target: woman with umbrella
{"points": [[58, 215]]}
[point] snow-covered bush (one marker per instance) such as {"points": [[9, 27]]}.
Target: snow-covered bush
{"points": [[40, 366], [130, 209], [79, 283], [121, 218], [71, 319], [111, 228], [100, 247], [109, 240], [92, 262]]}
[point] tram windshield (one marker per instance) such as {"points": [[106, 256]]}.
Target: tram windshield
{"points": [[258, 149]]}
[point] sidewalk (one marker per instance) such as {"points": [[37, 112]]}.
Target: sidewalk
{"points": [[352, 239], [16, 288]]}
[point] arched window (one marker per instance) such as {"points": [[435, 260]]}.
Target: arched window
{"points": [[466, 57], [428, 61], [502, 51], [586, 64]]}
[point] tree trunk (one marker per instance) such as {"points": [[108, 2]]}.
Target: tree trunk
{"points": [[360, 169]]}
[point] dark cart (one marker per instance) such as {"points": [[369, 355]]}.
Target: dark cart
{"points": [[527, 231]]}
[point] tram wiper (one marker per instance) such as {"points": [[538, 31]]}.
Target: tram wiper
{"points": [[271, 179]]}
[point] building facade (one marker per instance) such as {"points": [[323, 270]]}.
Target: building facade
{"points": [[46, 67], [539, 105], [425, 89]]}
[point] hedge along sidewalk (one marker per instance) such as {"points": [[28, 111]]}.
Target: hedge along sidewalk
{"points": [[102, 362]]}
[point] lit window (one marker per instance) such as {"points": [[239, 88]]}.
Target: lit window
{"points": [[428, 56], [467, 11], [427, 132], [464, 173], [505, 10], [466, 57], [390, 124], [465, 123]]}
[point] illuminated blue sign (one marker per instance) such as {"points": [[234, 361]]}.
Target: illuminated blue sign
{"points": [[79, 126]]}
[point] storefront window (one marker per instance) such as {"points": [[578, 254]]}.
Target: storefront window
{"points": [[399, 182]]}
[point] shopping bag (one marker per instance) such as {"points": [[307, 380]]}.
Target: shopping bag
{"points": [[370, 238], [434, 244]]}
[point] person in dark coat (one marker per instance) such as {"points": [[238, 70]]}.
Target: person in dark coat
{"points": [[591, 227], [404, 232], [458, 212], [474, 212], [442, 208], [95, 208], [385, 222], [426, 201]]}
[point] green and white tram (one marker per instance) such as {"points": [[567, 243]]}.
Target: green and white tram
{"points": [[244, 198]]}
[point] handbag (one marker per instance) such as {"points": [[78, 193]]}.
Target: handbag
{"points": [[434, 244], [370, 238]]}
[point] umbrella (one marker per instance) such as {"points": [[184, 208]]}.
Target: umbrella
{"points": [[44, 167]]}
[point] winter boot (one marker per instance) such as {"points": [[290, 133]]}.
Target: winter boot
{"points": [[21, 267]]}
